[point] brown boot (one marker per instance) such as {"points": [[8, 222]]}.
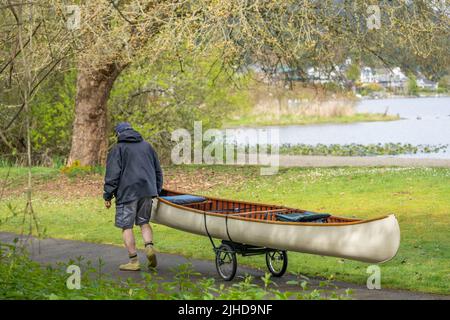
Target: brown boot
{"points": [[151, 256], [133, 265], [130, 266]]}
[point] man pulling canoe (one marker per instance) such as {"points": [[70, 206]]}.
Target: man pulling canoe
{"points": [[134, 177]]}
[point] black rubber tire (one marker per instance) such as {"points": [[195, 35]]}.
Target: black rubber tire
{"points": [[226, 251], [270, 255]]}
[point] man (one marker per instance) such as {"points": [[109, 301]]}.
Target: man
{"points": [[133, 177]]}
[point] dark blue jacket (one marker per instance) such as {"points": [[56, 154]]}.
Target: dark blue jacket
{"points": [[132, 169]]}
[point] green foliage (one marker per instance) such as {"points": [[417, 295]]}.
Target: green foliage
{"points": [[53, 112], [347, 150], [413, 89], [370, 88], [444, 84], [22, 278], [256, 120], [157, 99], [76, 170], [360, 149], [353, 72]]}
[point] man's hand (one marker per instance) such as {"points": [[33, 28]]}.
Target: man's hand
{"points": [[108, 204]]}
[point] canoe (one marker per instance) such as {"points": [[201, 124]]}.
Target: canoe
{"points": [[374, 240]]}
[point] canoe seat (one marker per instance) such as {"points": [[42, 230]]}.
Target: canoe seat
{"points": [[184, 199], [303, 217]]}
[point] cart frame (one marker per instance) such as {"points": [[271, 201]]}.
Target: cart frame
{"points": [[229, 248], [227, 251]]}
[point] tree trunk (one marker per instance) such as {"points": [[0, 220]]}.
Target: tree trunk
{"points": [[89, 137]]}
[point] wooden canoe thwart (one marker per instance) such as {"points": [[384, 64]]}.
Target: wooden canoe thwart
{"points": [[375, 240]]}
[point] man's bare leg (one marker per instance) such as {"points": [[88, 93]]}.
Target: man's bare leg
{"points": [[130, 244], [147, 235], [129, 241]]}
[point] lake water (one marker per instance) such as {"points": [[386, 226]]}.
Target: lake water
{"points": [[425, 121]]}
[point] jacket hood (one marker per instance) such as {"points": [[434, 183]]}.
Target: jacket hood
{"points": [[129, 135]]}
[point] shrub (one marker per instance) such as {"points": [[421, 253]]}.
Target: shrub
{"points": [[76, 169], [370, 88], [413, 89]]}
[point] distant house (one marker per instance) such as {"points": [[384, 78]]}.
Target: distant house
{"points": [[367, 75], [321, 75], [291, 74], [392, 79], [427, 84]]}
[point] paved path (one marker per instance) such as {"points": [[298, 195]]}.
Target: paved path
{"points": [[50, 251], [334, 161]]}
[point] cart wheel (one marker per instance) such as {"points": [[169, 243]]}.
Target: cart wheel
{"points": [[277, 262], [226, 262]]}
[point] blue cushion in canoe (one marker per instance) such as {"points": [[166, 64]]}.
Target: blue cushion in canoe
{"points": [[184, 199], [302, 217]]}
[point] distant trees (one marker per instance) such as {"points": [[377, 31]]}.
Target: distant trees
{"points": [[353, 72], [412, 87], [160, 97], [34, 45], [444, 84]]}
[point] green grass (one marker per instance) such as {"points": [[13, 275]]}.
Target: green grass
{"points": [[419, 198], [287, 120], [15, 176]]}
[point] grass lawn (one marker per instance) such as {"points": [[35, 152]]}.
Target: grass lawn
{"points": [[288, 120], [12, 177], [73, 209]]}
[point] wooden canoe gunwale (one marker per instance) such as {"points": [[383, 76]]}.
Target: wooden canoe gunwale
{"points": [[238, 216]]}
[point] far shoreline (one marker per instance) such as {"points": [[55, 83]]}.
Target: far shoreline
{"points": [[403, 97], [292, 120]]}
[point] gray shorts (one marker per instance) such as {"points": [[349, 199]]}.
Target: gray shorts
{"points": [[135, 212]]}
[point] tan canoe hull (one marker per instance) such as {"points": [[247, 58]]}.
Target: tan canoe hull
{"points": [[372, 241]]}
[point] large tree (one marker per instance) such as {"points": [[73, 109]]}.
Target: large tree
{"points": [[271, 33]]}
